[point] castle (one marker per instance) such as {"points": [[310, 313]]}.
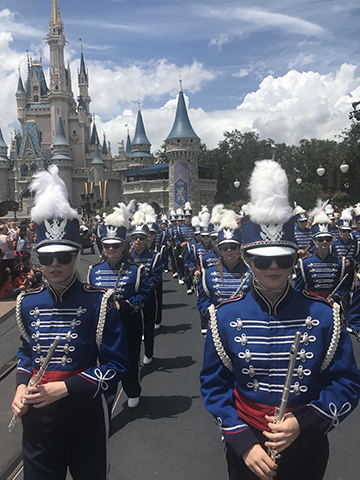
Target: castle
{"points": [[58, 129]]}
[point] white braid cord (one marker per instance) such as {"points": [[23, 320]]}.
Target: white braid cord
{"points": [[102, 317], [155, 260], [206, 290], [334, 339], [19, 320], [137, 284], [217, 340]]}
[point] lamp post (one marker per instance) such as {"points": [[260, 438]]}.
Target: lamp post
{"points": [[331, 179], [87, 200]]}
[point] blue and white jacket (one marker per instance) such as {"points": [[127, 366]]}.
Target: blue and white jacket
{"points": [[246, 357], [133, 291], [92, 356]]}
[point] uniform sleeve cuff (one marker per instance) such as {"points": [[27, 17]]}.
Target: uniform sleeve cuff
{"points": [[240, 441]]}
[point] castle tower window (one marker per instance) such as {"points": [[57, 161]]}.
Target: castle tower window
{"points": [[36, 98], [24, 170]]}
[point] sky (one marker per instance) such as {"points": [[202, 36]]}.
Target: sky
{"points": [[285, 69]]}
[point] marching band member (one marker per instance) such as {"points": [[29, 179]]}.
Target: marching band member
{"points": [[322, 274], [151, 262], [302, 233], [247, 349], [187, 236], [229, 276], [133, 291], [65, 417]]}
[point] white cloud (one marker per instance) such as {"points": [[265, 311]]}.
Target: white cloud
{"points": [[240, 21], [117, 87], [9, 23]]}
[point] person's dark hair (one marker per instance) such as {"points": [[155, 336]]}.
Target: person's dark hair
{"points": [[4, 276]]}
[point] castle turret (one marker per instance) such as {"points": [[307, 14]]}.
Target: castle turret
{"points": [[98, 165], [140, 145], [61, 157], [4, 170], [182, 147], [20, 100]]}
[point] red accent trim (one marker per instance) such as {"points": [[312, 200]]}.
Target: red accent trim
{"points": [[322, 294], [254, 413], [54, 376]]}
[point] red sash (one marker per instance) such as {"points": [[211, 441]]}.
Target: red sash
{"points": [[53, 376], [254, 413]]}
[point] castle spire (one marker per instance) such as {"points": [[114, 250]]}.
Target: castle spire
{"points": [[182, 127], [55, 13], [140, 137]]}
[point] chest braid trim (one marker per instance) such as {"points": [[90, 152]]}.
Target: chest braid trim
{"points": [[102, 317], [138, 276], [206, 290], [155, 261], [303, 273], [19, 320], [217, 340], [334, 339]]}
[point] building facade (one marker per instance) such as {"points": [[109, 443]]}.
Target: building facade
{"points": [[57, 128]]}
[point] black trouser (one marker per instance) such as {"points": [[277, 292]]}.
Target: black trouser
{"points": [[149, 314], [66, 434], [179, 261], [159, 301], [133, 329], [172, 260], [297, 462]]}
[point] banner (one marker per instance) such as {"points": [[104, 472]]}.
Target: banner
{"points": [[88, 187], [180, 184], [102, 189]]}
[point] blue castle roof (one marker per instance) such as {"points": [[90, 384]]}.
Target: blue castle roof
{"points": [[61, 139], [20, 88], [37, 69], [140, 137], [2, 141], [161, 167], [30, 129], [97, 159], [182, 127]]}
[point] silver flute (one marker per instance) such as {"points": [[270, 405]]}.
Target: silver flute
{"points": [[280, 411], [36, 379]]}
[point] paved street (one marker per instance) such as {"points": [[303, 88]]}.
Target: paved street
{"points": [[170, 436]]}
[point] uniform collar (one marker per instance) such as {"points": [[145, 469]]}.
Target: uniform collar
{"points": [[281, 303], [66, 292]]}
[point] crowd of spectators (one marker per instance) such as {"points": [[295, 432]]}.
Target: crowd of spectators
{"points": [[17, 272]]}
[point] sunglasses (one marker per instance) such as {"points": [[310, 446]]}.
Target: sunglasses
{"points": [[264, 263], [114, 245], [64, 258], [324, 238], [227, 246], [142, 238]]}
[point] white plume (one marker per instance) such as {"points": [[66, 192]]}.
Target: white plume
{"points": [[328, 208], [172, 212], [269, 194], [179, 212], [205, 219], [217, 212], [195, 221], [318, 214], [298, 210], [187, 206], [132, 206], [229, 220], [51, 197], [357, 209], [346, 214], [150, 215], [142, 207], [120, 217], [138, 218]]}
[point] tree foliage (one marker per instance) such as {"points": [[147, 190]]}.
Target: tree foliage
{"points": [[236, 154]]}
